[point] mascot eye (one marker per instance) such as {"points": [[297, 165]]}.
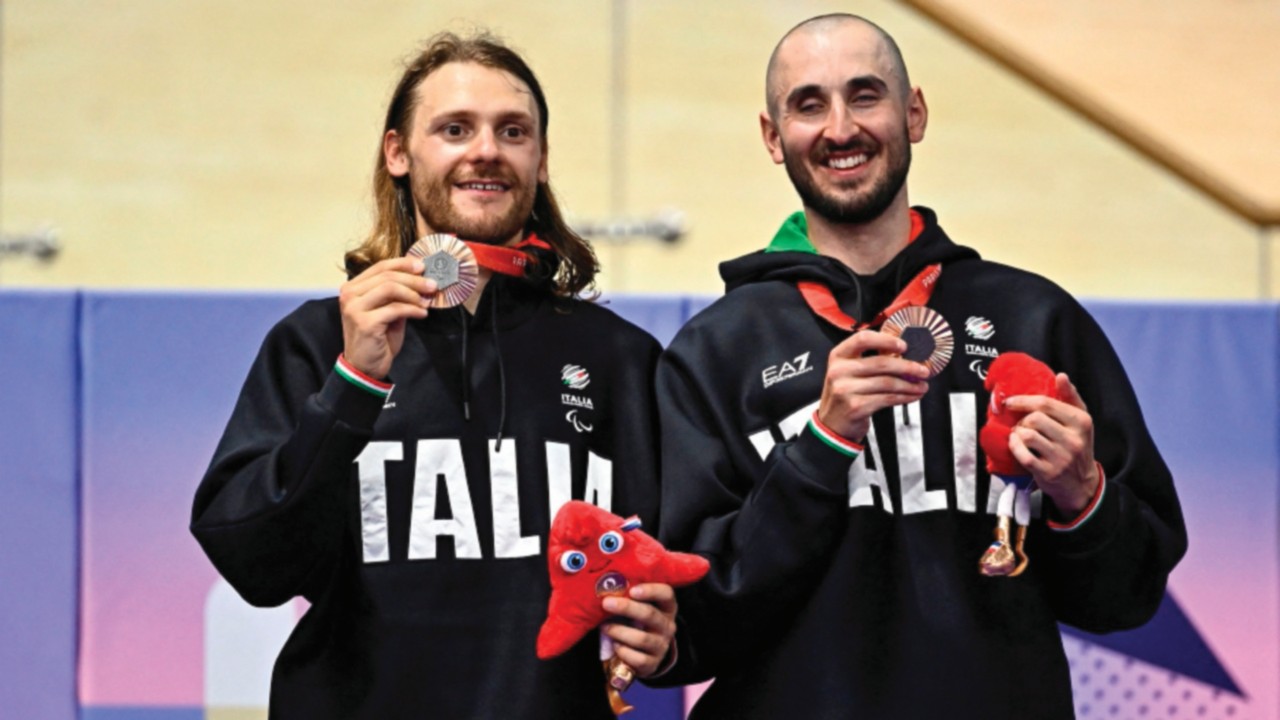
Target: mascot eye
{"points": [[611, 542], [572, 561]]}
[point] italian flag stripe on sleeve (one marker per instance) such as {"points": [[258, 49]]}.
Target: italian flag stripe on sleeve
{"points": [[834, 441], [1089, 509], [360, 380]]}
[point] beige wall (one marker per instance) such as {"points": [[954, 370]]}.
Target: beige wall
{"points": [[208, 144]]}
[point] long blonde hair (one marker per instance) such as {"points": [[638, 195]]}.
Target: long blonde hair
{"points": [[572, 268]]}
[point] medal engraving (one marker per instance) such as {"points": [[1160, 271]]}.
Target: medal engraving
{"points": [[451, 264], [926, 333], [443, 268]]}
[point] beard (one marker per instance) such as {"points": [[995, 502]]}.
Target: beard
{"points": [[433, 197], [842, 207]]}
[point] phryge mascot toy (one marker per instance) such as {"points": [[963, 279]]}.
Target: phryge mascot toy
{"points": [[1011, 374], [593, 554]]}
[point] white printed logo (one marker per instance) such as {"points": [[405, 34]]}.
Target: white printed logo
{"points": [[979, 328], [575, 377], [580, 426], [979, 368], [981, 350], [386, 402], [576, 401], [785, 371]]}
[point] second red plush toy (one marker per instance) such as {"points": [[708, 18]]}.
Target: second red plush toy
{"points": [[592, 554], [1011, 374]]}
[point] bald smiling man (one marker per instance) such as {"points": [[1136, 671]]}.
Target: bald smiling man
{"points": [[831, 472]]}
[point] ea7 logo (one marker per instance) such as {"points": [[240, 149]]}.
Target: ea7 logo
{"points": [[787, 370]]}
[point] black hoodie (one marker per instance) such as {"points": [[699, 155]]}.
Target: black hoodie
{"points": [[853, 591], [418, 542]]}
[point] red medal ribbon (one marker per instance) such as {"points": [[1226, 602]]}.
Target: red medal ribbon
{"points": [[506, 260], [917, 292], [823, 303]]}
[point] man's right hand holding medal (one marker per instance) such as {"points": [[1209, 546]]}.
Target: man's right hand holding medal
{"points": [[376, 305], [858, 385]]}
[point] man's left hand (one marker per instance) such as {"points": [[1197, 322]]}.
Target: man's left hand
{"points": [[651, 608], [1054, 442]]}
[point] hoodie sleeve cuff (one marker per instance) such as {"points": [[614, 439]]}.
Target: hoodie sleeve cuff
{"points": [[355, 398], [1089, 510], [667, 663], [1094, 527], [833, 440], [820, 453], [360, 380]]}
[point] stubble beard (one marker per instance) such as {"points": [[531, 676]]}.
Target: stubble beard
{"points": [[433, 196], [859, 208]]}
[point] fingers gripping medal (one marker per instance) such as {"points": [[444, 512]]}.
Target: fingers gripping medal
{"points": [[451, 264], [926, 333]]}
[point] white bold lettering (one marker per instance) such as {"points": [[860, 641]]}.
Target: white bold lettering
{"points": [[964, 446], [795, 422], [909, 433], [599, 482], [862, 477], [599, 489], [559, 477], [441, 460], [762, 441], [790, 427], [372, 471], [916, 497], [505, 490]]}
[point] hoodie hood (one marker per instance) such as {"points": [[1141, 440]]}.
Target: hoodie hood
{"points": [[791, 258]]}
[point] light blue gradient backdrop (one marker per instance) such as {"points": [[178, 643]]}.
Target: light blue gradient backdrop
{"points": [[160, 372]]}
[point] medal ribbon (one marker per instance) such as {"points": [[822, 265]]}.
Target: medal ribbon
{"points": [[823, 303], [917, 292], [506, 260]]}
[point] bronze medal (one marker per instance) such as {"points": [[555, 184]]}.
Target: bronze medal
{"points": [[451, 264], [926, 333]]}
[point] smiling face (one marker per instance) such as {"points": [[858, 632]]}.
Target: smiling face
{"points": [[473, 153], [592, 556], [842, 119]]}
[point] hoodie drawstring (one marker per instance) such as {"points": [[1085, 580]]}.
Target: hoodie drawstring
{"points": [[466, 371], [502, 370]]}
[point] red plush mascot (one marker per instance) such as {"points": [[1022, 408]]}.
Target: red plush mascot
{"points": [[1011, 374], [592, 554]]}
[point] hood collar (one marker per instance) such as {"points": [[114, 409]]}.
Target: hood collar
{"points": [[791, 257], [793, 236]]}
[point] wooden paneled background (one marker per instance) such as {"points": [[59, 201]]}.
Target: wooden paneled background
{"points": [[208, 144]]}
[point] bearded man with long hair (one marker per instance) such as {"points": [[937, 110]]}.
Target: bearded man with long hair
{"points": [[397, 461]]}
